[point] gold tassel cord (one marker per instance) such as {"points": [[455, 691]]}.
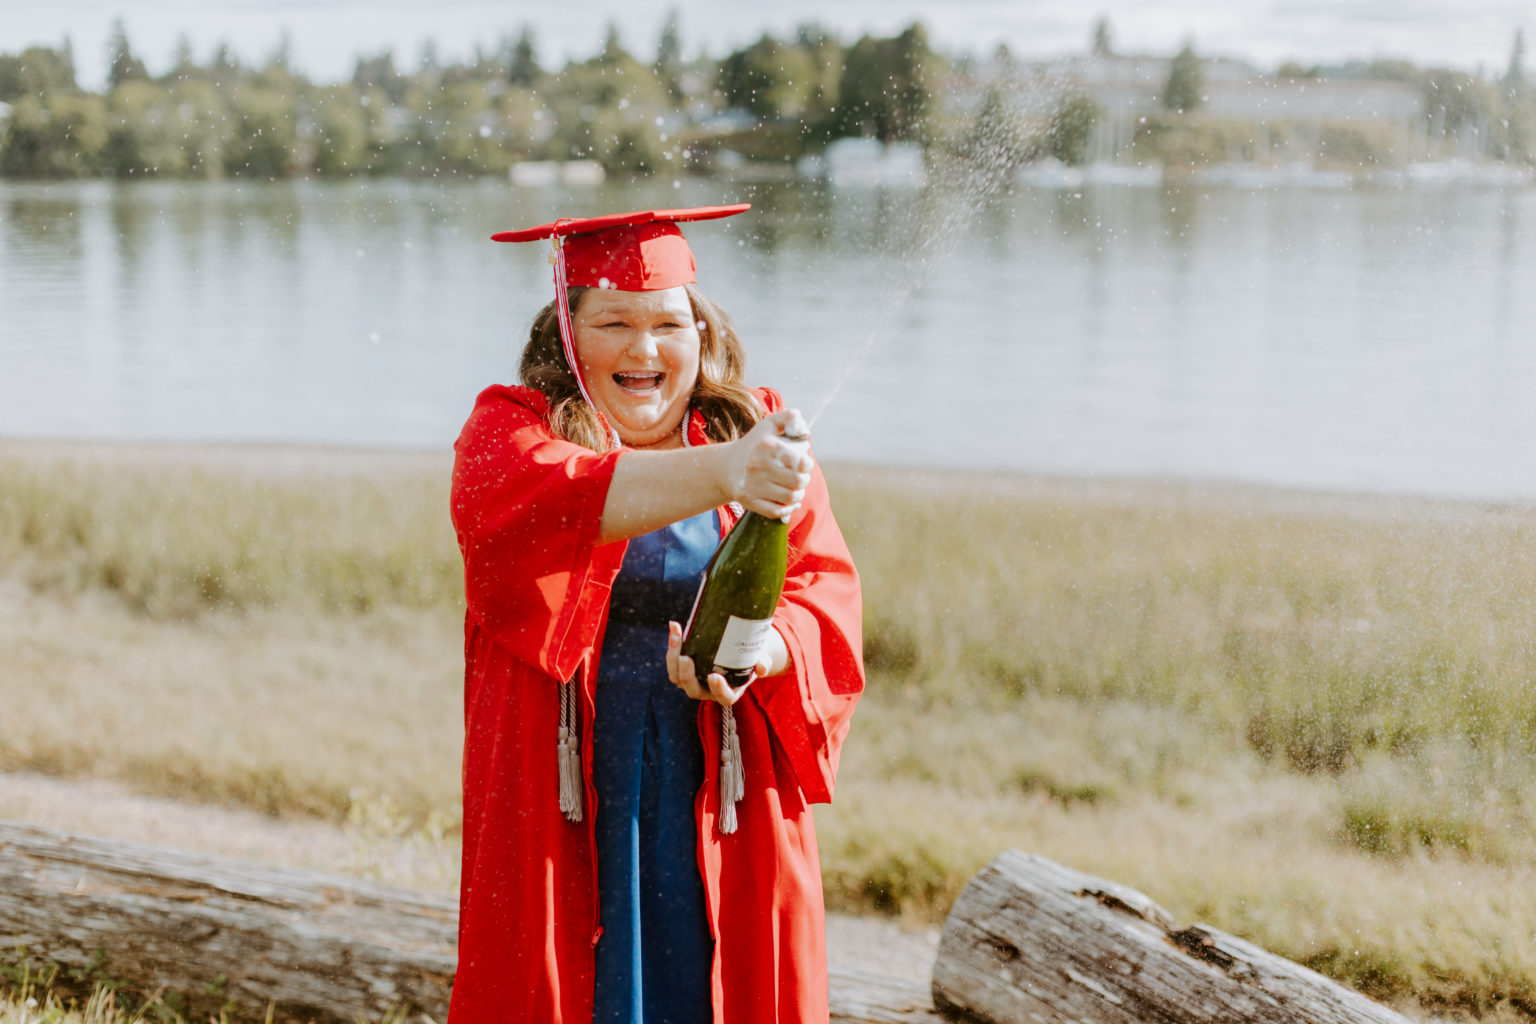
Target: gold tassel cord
{"points": [[569, 754], [733, 776]]}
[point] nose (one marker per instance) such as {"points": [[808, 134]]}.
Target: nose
{"points": [[642, 343]]}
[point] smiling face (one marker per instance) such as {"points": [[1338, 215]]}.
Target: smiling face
{"points": [[639, 356]]}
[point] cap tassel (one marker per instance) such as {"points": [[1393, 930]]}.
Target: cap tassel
{"points": [[563, 309], [569, 755], [568, 335], [733, 776]]}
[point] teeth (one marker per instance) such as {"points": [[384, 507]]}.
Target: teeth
{"points": [[630, 379]]}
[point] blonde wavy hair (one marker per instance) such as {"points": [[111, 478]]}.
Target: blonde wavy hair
{"points": [[729, 408]]}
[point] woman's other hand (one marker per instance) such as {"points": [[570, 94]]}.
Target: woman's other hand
{"points": [[681, 671], [766, 475]]}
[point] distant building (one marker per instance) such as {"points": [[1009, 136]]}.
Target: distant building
{"points": [[540, 173], [1305, 107], [1288, 116], [864, 162]]}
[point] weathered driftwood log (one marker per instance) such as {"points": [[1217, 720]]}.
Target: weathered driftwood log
{"points": [[214, 933], [1032, 941], [863, 998]]}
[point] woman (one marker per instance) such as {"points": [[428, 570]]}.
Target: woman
{"points": [[600, 881]]}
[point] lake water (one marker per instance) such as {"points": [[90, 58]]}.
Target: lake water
{"points": [[1361, 339]]}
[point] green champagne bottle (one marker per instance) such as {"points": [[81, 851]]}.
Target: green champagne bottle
{"points": [[733, 612]]}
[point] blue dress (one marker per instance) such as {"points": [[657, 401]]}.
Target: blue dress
{"points": [[655, 954]]}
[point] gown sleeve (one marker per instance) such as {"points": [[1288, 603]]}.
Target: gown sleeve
{"points": [[527, 508], [820, 616]]}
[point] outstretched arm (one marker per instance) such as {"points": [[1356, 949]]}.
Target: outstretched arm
{"points": [[649, 490]]}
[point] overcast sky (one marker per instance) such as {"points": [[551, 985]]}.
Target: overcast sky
{"points": [[327, 35]]}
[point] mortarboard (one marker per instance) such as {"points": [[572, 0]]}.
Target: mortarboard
{"points": [[634, 252]]}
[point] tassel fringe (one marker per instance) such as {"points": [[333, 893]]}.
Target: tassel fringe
{"points": [[733, 777], [569, 754]]}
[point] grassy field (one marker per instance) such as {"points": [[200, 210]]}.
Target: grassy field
{"points": [[1301, 718]]}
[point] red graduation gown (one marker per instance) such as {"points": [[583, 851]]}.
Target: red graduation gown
{"points": [[526, 507]]}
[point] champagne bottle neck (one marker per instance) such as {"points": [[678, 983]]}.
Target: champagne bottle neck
{"points": [[758, 521]]}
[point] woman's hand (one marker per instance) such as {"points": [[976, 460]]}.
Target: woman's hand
{"points": [[681, 671], [763, 473]]}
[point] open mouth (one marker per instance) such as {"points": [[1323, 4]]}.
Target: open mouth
{"points": [[639, 383]]}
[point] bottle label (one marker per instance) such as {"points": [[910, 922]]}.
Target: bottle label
{"points": [[743, 642]]}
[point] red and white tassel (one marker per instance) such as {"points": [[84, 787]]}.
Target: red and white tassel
{"points": [[733, 777], [568, 332], [569, 754]]}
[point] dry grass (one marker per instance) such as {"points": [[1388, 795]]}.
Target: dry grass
{"points": [[275, 710], [236, 529], [44, 996], [1321, 634], [1301, 719], [1144, 797]]}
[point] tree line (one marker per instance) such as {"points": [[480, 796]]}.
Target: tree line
{"points": [[774, 99]]}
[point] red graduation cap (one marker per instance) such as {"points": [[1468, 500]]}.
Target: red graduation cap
{"points": [[634, 252], [641, 251]]}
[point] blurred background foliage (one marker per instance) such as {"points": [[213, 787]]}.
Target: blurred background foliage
{"points": [[775, 100], [632, 115]]}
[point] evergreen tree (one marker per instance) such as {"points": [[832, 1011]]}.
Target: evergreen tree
{"points": [[282, 57], [613, 46], [378, 72], [826, 58], [1071, 129], [669, 48], [1101, 40], [769, 78], [183, 64], [669, 57], [429, 63], [67, 55], [999, 138], [523, 67], [225, 65], [885, 88], [122, 65], [1514, 77], [813, 36], [1185, 82], [278, 72], [914, 64], [861, 91]]}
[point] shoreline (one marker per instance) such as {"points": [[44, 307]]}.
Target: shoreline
{"points": [[280, 459]]}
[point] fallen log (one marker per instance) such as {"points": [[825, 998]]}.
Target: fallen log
{"points": [[1031, 940], [211, 934], [215, 933]]}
